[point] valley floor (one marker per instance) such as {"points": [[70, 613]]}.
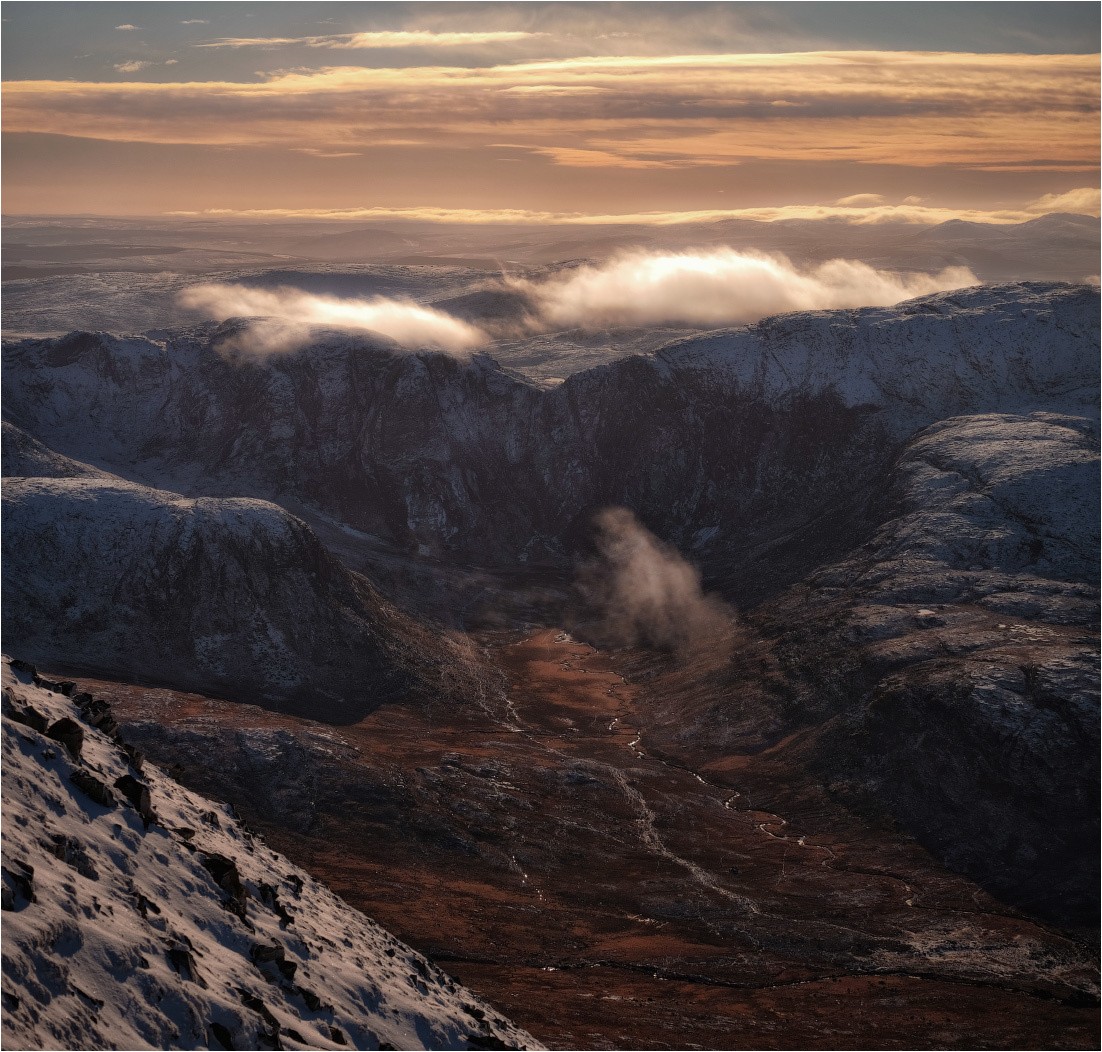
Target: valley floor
{"points": [[602, 896]]}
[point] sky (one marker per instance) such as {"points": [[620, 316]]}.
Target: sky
{"points": [[551, 111]]}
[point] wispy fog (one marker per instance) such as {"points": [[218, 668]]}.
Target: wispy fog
{"points": [[647, 594], [720, 287], [286, 317]]}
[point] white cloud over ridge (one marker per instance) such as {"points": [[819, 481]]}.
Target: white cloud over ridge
{"points": [[721, 286], [706, 288], [286, 318]]}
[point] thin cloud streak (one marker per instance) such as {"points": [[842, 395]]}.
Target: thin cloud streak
{"points": [[1084, 200], [394, 39]]}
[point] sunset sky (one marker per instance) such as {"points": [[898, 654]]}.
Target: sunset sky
{"points": [[550, 111]]}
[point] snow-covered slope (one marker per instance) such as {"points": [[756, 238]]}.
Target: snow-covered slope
{"points": [[958, 649], [234, 596], [998, 348], [705, 441], [141, 915]]}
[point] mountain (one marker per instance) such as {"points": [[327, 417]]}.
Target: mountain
{"points": [[945, 672], [139, 914], [717, 441], [232, 596]]}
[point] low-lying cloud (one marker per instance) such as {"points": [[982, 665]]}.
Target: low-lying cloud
{"points": [[720, 286], [647, 594], [286, 317]]}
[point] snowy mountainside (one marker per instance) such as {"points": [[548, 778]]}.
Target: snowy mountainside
{"points": [[716, 442], [139, 914], [950, 664], [229, 595], [994, 349], [24, 456]]}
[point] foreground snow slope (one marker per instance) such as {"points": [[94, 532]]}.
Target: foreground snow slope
{"points": [[141, 915]]}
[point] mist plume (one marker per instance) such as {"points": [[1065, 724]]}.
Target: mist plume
{"points": [[647, 594], [286, 317], [720, 286]]}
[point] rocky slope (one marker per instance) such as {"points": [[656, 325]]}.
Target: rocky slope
{"points": [[945, 673], [233, 596], [141, 915], [717, 442]]}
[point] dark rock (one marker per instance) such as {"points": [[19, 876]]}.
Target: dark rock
{"points": [[287, 969], [181, 959], [337, 1034], [269, 896], [225, 874], [137, 793], [91, 786], [313, 1002], [98, 713], [261, 954], [71, 851], [135, 757], [146, 906], [29, 717], [25, 669], [222, 1035], [65, 687], [18, 885], [254, 1003], [69, 733]]}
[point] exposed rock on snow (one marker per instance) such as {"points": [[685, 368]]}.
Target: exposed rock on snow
{"points": [[229, 595], [958, 654], [184, 930], [707, 441]]}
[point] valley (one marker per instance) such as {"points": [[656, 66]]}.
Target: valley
{"points": [[602, 894]]}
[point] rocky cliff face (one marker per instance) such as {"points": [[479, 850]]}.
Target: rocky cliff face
{"points": [[232, 596], [716, 442], [972, 616], [138, 914], [946, 672]]}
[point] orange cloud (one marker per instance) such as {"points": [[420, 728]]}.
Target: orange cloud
{"points": [[994, 112]]}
